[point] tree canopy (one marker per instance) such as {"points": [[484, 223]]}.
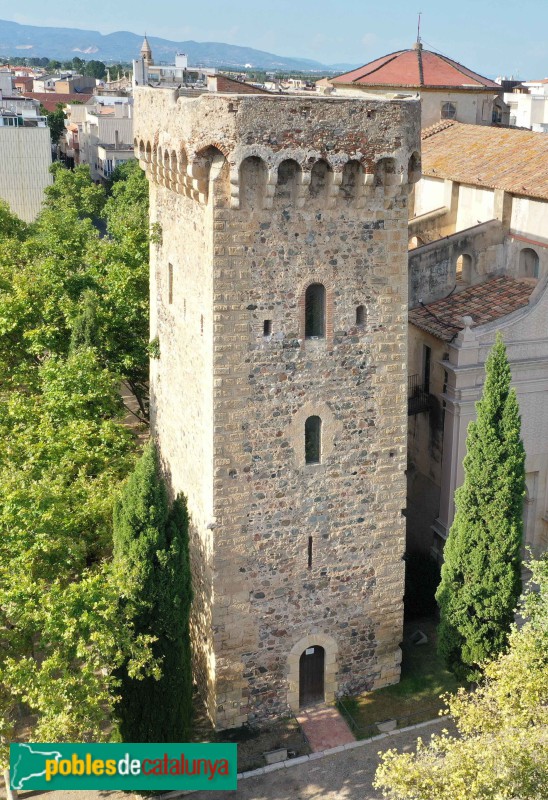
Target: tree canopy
{"points": [[500, 752], [67, 283]]}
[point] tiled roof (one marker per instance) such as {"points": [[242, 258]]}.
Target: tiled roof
{"points": [[481, 155], [231, 86], [416, 68], [484, 303], [50, 99]]}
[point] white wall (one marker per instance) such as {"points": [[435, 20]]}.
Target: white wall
{"points": [[530, 217], [429, 195], [25, 157], [475, 205]]}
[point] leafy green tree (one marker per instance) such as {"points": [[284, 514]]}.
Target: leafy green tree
{"points": [[64, 455], [56, 121], [151, 554], [480, 578], [78, 64], [62, 459], [10, 225], [500, 751], [96, 69], [66, 266]]}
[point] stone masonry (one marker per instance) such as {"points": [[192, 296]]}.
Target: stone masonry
{"points": [[255, 198]]}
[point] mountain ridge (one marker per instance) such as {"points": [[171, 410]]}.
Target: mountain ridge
{"points": [[34, 41]]}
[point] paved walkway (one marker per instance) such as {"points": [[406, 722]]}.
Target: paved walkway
{"points": [[344, 775], [324, 727]]}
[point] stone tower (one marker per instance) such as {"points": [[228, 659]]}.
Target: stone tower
{"points": [[279, 298], [146, 52]]}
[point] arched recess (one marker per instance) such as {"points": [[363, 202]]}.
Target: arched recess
{"points": [[528, 263], [415, 241], [252, 178], [463, 269], [154, 163], [289, 177], [142, 153], [182, 165], [160, 165], [210, 171], [385, 171], [173, 169], [167, 169], [148, 152], [414, 169], [330, 648], [352, 178], [321, 177]]}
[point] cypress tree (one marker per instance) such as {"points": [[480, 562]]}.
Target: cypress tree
{"points": [[152, 563], [481, 575]]}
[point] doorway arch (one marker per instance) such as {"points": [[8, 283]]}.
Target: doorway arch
{"points": [[312, 676], [329, 647]]}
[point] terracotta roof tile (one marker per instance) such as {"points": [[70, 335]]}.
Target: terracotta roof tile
{"points": [[416, 68], [481, 155], [484, 303], [229, 85], [50, 99]]}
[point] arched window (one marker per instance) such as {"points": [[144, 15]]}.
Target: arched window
{"points": [[360, 316], [528, 263], [313, 440], [314, 313]]}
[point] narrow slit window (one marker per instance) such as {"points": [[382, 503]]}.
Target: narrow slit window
{"points": [[201, 324], [315, 311], [170, 283], [313, 440], [360, 316], [309, 552], [267, 327]]}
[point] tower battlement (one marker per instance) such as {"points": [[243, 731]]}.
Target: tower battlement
{"points": [[279, 402], [374, 146]]}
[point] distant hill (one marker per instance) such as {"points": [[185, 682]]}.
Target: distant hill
{"points": [[65, 43]]}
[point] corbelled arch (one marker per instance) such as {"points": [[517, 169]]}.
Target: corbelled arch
{"points": [[208, 165], [252, 182]]}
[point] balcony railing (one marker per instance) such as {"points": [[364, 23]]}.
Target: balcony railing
{"points": [[418, 399]]}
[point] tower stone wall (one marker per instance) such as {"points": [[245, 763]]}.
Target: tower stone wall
{"points": [[256, 198]]}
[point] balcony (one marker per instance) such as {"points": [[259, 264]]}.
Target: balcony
{"points": [[418, 398]]}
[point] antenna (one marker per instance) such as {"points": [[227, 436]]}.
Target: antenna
{"points": [[419, 28]]}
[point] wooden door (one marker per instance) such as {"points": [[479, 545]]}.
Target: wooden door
{"points": [[311, 676]]}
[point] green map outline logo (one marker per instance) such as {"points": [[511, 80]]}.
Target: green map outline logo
{"points": [[128, 766]]}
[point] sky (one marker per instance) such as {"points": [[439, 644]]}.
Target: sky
{"points": [[493, 37]]}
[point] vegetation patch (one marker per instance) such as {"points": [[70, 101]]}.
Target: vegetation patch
{"points": [[416, 698]]}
